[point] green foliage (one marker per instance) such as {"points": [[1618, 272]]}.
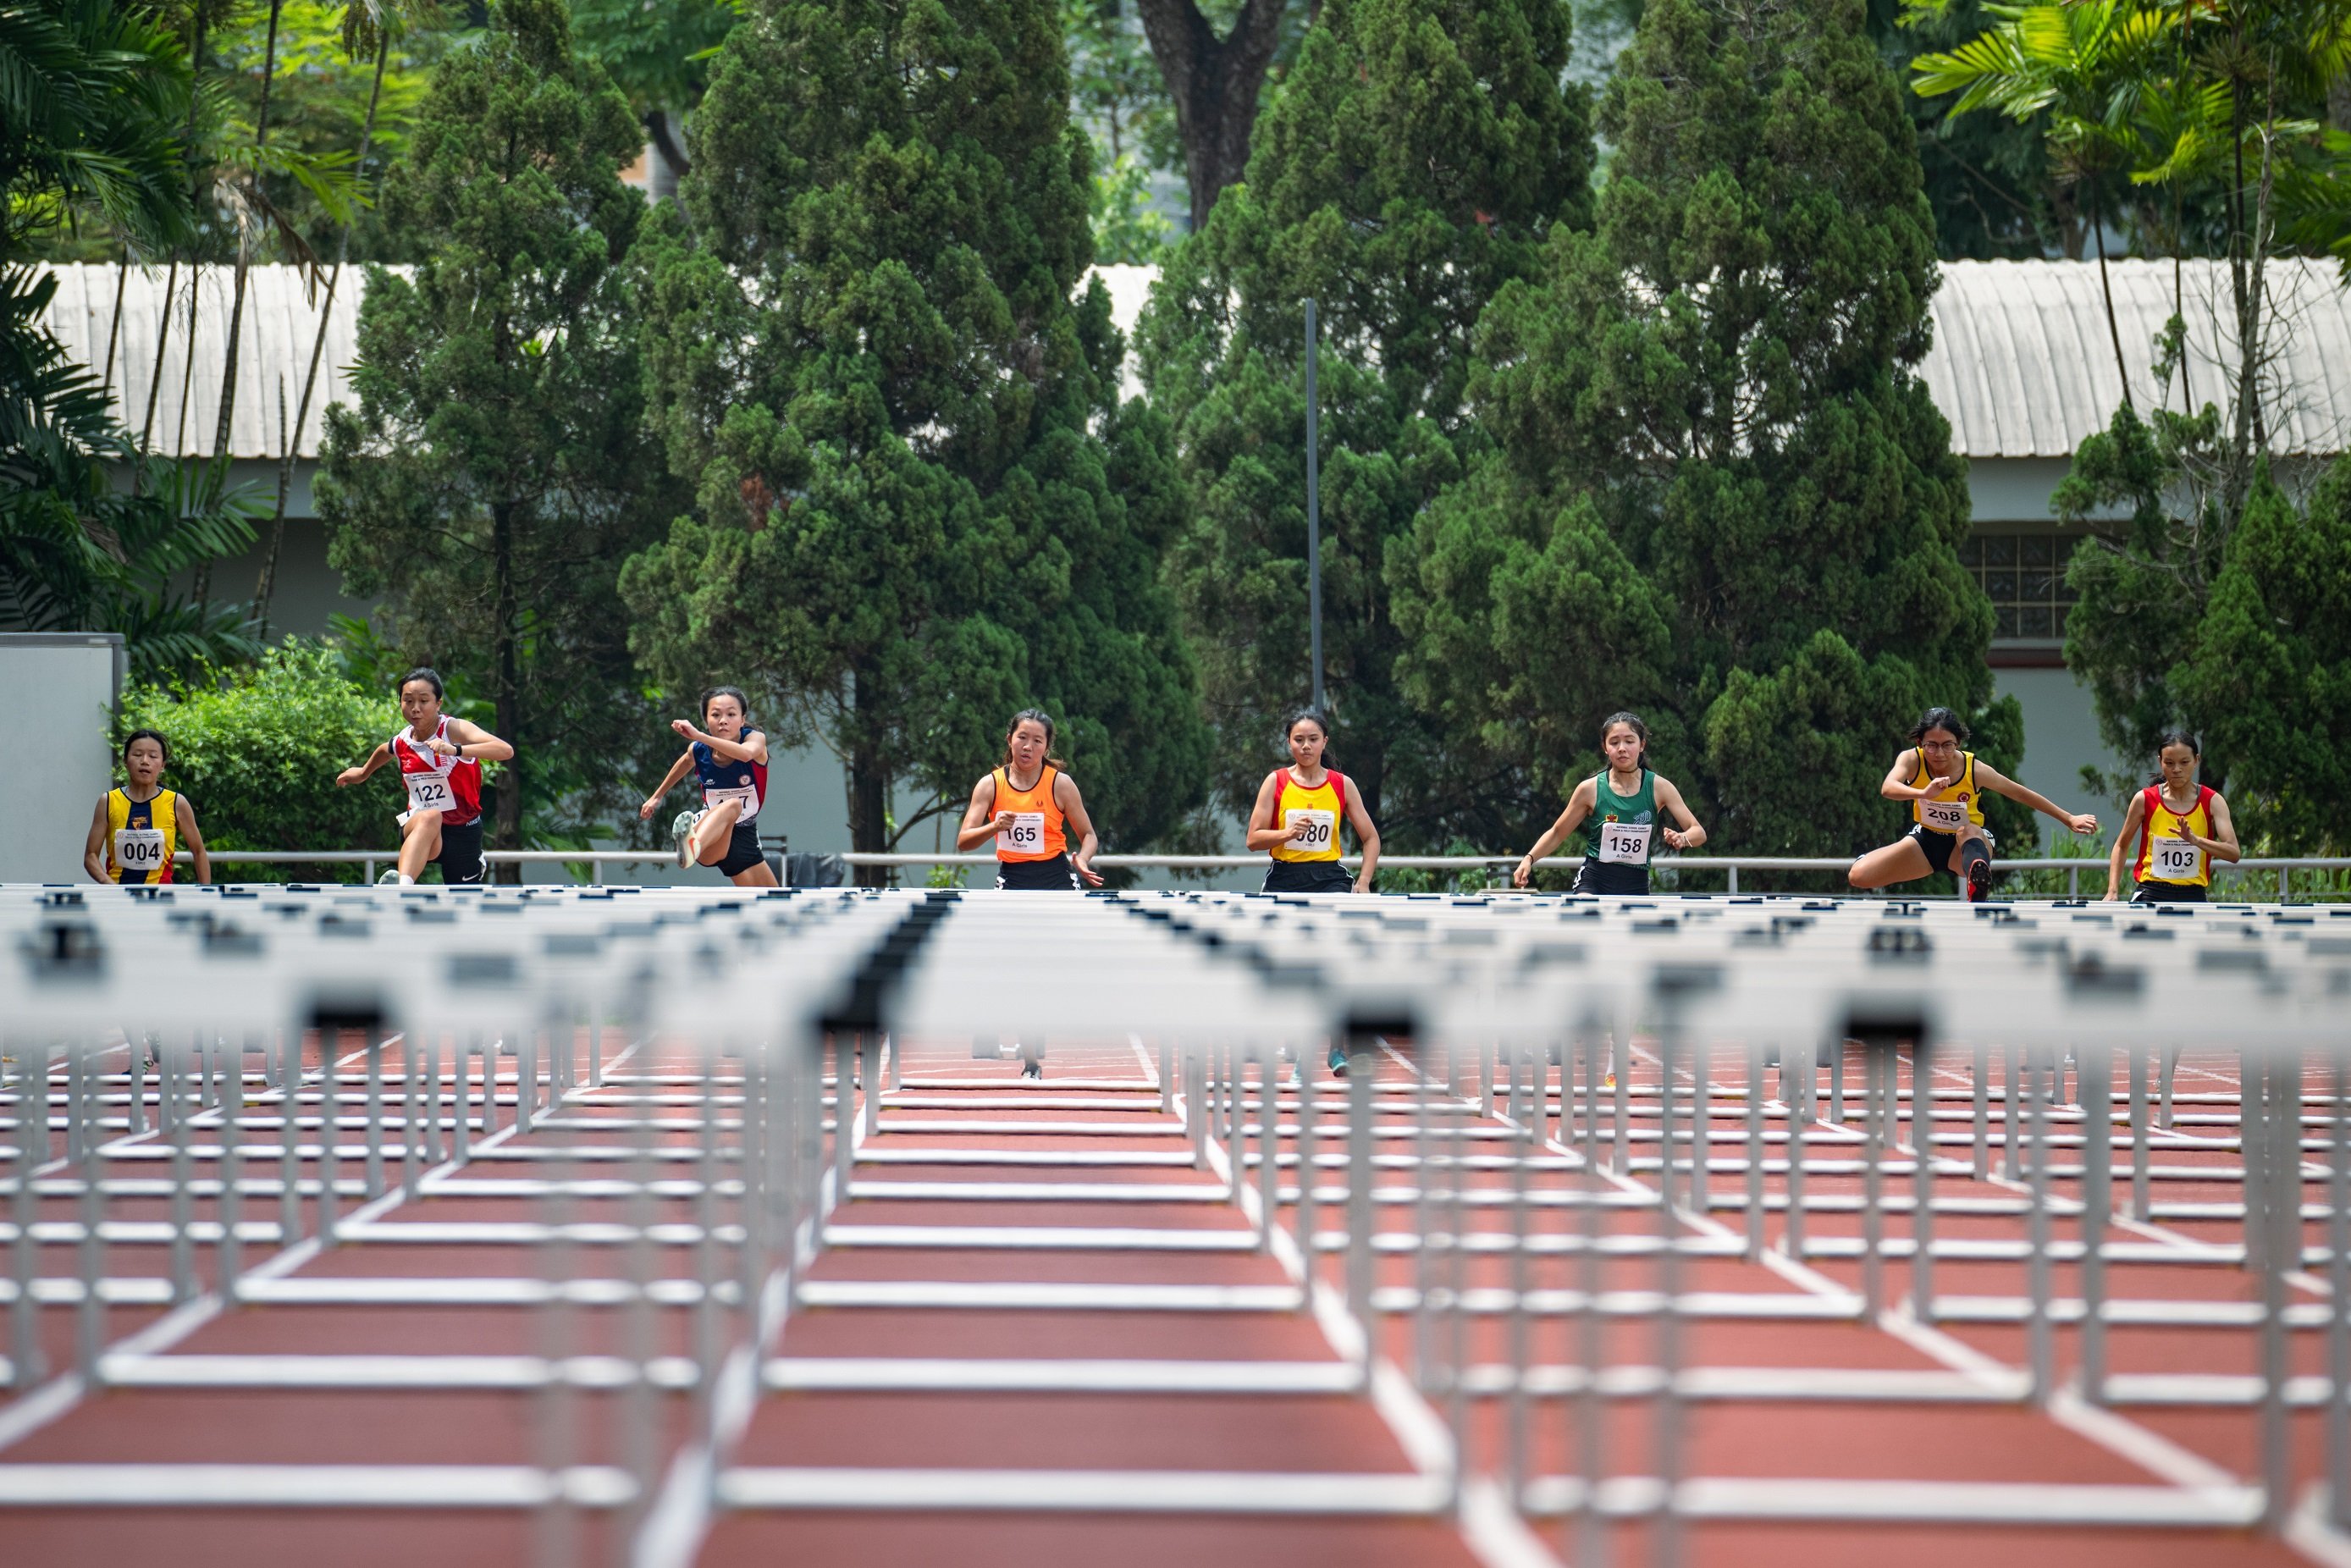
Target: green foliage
{"points": [[91, 99], [2267, 675], [495, 477], [1417, 155], [257, 751], [656, 51], [1118, 97], [920, 506], [1987, 178], [1719, 477]]}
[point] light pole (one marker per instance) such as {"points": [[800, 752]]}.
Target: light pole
{"points": [[1313, 521]]}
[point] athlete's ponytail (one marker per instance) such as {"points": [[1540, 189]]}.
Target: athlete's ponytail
{"points": [[1939, 718], [1045, 721], [1638, 728], [2169, 738]]}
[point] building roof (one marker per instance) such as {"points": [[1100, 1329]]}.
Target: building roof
{"points": [[278, 325], [2024, 366]]}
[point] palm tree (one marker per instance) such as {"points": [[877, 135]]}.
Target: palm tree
{"points": [[2081, 64]]}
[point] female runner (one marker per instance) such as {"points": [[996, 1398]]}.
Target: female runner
{"points": [[2182, 826], [1626, 797], [1945, 787], [731, 758], [1297, 815], [440, 761], [1028, 822], [138, 828]]}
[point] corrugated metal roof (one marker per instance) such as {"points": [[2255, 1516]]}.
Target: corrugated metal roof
{"points": [[2022, 365], [280, 320]]}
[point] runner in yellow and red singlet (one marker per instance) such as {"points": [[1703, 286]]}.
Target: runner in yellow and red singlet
{"points": [[2180, 826], [1298, 812]]}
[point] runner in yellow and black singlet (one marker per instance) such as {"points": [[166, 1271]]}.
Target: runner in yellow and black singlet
{"points": [[1945, 786], [2179, 825], [139, 827]]}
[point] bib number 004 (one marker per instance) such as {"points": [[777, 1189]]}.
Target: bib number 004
{"points": [[1026, 836], [139, 850]]}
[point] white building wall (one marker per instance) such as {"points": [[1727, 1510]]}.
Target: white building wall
{"points": [[57, 699]]}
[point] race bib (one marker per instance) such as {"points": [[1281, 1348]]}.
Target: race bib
{"points": [[745, 795], [139, 850], [1026, 836], [1943, 816], [428, 792], [1625, 843], [2178, 859], [1321, 829]]}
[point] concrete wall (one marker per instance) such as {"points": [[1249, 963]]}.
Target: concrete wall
{"points": [[56, 697], [2061, 737]]}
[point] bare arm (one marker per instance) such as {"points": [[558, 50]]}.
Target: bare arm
{"points": [[93, 849], [1264, 832], [1999, 783], [186, 814], [677, 770], [1669, 799], [1898, 785], [1073, 810], [1367, 836], [1579, 806], [2222, 845], [2123, 835], [978, 825], [478, 744], [753, 747], [376, 759]]}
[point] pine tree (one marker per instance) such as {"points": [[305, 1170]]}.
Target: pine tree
{"points": [[921, 505], [1418, 157], [493, 477], [1714, 394]]}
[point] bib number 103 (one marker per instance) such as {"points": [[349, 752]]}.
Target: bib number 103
{"points": [[2178, 859]]}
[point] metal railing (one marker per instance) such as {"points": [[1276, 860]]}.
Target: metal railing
{"points": [[1728, 865]]}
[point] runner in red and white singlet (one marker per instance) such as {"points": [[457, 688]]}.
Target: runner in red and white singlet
{"points": [[440, 763]]}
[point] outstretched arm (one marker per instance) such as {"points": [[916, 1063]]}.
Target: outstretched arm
{"points": [[1999, 783], [2123, 835], [1368, 836], [186, 815], [475, 742], [93, 849], [1579, 806], [376, 759], [978, 825], [677, 770]]}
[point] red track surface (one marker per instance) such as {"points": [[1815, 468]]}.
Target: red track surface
{"points": [[1319, 1432]]}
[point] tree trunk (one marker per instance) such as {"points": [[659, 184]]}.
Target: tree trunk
{"points": [[504, 638], [2107, 287], [244, 255], [1214, 83], [2338, 103], [267, 586], [668, 162], [869, 784], [114, 333]]}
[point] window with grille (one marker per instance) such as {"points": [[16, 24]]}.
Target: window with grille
{"points": [[2023, 575]]}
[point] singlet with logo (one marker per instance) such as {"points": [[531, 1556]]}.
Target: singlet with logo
{"points": [[723, 780], [2166, 853], [449, 785], [141, 836], [1036, 830], [1957, 808], [1322, 807], [1623, 828]]}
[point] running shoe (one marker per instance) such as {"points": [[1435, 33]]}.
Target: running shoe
{"points": [[1978, 880], [389, 879], [682, 830], [1032, 1066], [1337, 1062]]}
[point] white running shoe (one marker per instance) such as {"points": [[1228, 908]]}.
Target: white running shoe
{"points": [[682, 830], [389, 879]]}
